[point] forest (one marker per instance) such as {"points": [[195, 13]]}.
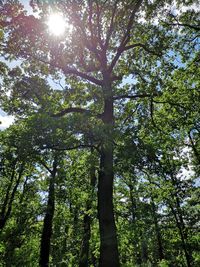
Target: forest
{"points": [[100, 167]]}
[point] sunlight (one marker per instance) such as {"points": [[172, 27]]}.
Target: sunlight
{"points": [[56, 24]]}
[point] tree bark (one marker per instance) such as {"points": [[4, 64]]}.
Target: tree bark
{"points": [[84, 255], [182, 236], [83, 262], [109, 256], [7, 205], [157, 230], [48, 221], [178, 216]]}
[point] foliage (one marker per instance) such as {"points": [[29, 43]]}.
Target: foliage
{"points": [[104, 153]]}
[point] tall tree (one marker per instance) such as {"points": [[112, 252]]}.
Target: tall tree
{"points": [[109, 41]]}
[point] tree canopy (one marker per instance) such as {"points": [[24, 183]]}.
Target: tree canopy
{"points": [[101, 166]]}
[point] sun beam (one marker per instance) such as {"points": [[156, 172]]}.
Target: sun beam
{"points": [[56, 24]]}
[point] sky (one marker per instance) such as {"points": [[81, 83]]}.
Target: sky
{"points": [[5, 120], [26, 5]]}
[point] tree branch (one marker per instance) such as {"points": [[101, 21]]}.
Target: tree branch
{"points": [[170, 103], [196, 153], [135, 96], [67, 70], [144, 47], [81, 146], [194, 27], [75, 110], [71, 110], [45, 166], [90, 45], [126, 37], [111, 27], [99, 26]]}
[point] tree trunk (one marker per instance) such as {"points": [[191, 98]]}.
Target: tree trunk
{"points": [[144, 251], [84, 255], [83, 262], [157, 230], [7, 205], [182, 236], [133, 211], [178, 215], [109, 256], [48, 221]]}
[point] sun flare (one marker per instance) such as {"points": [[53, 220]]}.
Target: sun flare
{"points": [[56, 24]]}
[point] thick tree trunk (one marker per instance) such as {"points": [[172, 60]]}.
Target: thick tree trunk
{"points": [[48, 221], [108, 238], [109, 256]]}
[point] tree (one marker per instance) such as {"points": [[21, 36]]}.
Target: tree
{"points": [[109, 42]]}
